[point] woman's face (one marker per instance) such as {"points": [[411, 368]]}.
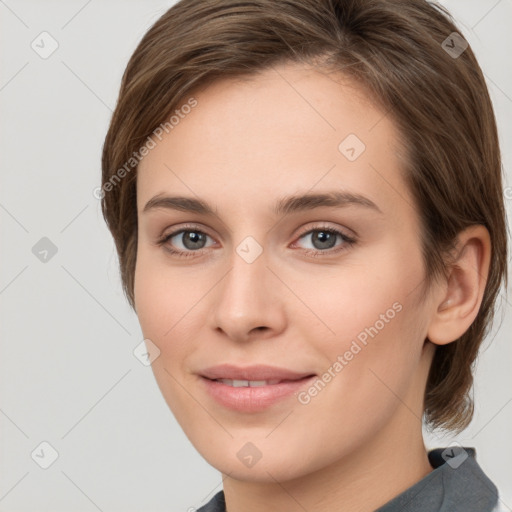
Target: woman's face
{"points": [[308, 309]]}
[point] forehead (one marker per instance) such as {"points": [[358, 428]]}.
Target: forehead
{"points": [[286, 129]]}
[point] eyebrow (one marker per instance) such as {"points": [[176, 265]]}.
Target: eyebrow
{"points": [[285, 205]]}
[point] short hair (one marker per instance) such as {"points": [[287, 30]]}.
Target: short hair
{"points": [[406, 57]]}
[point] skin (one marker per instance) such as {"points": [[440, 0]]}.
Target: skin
{"points": [[245, 145]]}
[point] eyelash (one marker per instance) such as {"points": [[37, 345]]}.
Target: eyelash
{"points": [[348, 241]]}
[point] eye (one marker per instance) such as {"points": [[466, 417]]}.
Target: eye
{"points": [[189, 242], [323, 239]]}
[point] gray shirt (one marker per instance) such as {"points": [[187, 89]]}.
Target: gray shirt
{"points": [[457, 484]]}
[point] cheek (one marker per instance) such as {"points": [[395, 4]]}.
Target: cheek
{"points": [[365, 384], [345, 299], [162, 301], [163, 296], [377, 341], [353, 303]]}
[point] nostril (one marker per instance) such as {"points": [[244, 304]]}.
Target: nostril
{"points": [[261, 328]]}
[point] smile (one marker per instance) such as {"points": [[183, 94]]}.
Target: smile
{"points": [[254, 388]]}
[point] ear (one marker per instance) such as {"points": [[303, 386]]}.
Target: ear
{"points": [[458, 301]]}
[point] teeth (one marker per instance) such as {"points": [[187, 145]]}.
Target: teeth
{"points": [[256, 383], [247, 383]]}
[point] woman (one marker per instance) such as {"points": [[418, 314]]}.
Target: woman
{"points": [[306, 200]]}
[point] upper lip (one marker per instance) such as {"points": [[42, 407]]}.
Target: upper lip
{"points": [[254, 372]]}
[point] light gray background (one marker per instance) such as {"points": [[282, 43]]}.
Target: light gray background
{"points": [[68, 373]]}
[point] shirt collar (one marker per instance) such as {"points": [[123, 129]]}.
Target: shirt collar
{"points": [[457, 483]]}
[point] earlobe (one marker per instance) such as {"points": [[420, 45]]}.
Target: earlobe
{"points": [[458, 302]]}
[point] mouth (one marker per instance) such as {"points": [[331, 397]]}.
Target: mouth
{"points": [[253, 388], [252, 374], [248, 383]]}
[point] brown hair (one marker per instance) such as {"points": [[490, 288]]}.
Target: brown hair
{"points": [[398, 51]]}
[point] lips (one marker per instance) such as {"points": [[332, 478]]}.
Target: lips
{"points": [[254, 373], [253, 388]]}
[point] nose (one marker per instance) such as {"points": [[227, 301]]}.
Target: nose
{"points": [[248, 301]]}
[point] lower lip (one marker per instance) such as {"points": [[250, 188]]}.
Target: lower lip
{"points": [[249, 399]]}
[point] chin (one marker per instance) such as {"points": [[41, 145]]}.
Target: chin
{"points": [[261, 461]]}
